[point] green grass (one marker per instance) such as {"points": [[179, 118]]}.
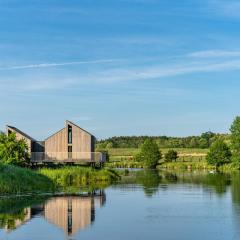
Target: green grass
{"points": [[15, 180], [80, 176], [124, 157], [186, 165]]}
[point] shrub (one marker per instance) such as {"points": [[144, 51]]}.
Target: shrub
{"points": [[13, 151]]}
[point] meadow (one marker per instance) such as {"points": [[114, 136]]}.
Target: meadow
{"points": [[124, 157]]}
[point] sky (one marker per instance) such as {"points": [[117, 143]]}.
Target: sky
{"points": [[120, 67]]}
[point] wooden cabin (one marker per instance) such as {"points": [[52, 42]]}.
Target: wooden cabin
{"points": [[70, 144]]}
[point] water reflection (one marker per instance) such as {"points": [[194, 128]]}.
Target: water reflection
{"points": [[197, 205], [69, 213], [152, 180]]}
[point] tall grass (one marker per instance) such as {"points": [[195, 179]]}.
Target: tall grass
{"points": [[15, 180], [186, 165], [80, 176]]}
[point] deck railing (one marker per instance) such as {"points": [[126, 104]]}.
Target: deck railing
{"points": [[68, 157]]}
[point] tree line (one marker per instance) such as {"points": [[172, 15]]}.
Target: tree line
{"points": [[205, 140], [221, 151]]}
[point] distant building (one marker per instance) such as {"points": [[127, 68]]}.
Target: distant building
{"points": [[70, 144]]}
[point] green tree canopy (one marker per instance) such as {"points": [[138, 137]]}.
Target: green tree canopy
{"points": [[219, 153], [235, 139], [171, 156], [13, 151], [149, 154]]}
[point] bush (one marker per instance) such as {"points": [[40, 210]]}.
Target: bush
{"points": [[149, 154], [219, 154], [171, 156], [13, 151]]}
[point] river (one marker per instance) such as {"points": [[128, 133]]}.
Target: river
{"points": [[154, 205]]}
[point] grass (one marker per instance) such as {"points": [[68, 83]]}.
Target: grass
{"points": [[186, 165], [15, 180], [133, 151], [80, 176], [124, 157], [185, 154]]}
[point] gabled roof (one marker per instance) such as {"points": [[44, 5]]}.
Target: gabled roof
{"points": [[22, 133], [54, 134], [71, 123]]}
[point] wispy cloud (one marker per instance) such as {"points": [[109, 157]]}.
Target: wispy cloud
{"points": [[159, 71], [214, 54], [124, 73], [48, 65]]}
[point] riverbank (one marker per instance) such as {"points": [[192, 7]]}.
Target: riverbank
{"points": [[84, 177], [197, 166], [16, 180]]}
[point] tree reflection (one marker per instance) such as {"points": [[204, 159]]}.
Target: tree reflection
{"points": [[15, 211], [150, 180]]}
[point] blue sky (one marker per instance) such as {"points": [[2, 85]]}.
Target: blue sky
{"points": [[120, 67]]}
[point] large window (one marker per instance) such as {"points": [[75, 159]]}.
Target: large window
{"points": [[69, 134]]}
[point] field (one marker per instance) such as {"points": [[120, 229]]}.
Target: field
{"points": [[185, 154]]}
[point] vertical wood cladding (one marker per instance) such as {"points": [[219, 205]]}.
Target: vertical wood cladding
{"points": [[82, 142], [57, 142]]}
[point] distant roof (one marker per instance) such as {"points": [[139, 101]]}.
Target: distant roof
{"points": [[22, 133]]}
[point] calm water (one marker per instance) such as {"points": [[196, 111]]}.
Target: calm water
{"points": [[165, 206]]}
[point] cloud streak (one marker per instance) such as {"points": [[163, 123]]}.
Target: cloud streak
{"points": [[48, 65], [214, 54], [205, 62]]}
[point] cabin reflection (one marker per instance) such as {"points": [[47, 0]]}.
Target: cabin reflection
{"points": [[69, 213], [73, 213]]}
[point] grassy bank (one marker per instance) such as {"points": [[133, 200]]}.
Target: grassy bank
{"points": [[186, 165], [80, 176], [14, 180], [198, 166]]}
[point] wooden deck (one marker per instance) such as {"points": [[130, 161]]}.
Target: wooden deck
{"points": [[65, 157]]}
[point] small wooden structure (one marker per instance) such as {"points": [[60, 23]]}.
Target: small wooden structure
{"points": [[71, 144]]}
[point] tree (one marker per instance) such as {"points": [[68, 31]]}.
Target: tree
{"points": [[149, 154], [171, 156], [13, 151], [203, 143], [207, 136], [219, 153], [109, 145], [235, 139]]}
